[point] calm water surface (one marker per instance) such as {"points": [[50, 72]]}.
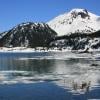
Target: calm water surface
{"points": [[49, 76]]}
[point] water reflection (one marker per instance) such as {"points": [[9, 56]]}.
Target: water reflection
{"points": [[79, 75]]}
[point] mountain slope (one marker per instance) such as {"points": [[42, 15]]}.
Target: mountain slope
{"points": [[28, 35], [77, 20], [77, 41]]}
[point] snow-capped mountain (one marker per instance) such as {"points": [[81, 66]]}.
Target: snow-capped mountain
{"points": [[77, 20], [75, 30], [27, 35]]}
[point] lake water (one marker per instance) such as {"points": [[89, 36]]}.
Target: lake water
{"points": [[49, 76]]}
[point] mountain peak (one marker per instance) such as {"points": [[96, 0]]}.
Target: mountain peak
{"points": [[79, 12], [76, 20]]}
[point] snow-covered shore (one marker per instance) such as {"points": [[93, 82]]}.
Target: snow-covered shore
{"points": [[24, 49], [16, 49], [41, 49]]}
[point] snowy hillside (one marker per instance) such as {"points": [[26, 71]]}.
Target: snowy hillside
{"points": [[27, 35], [77, 20]]}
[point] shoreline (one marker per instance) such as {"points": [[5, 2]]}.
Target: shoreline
{"points": [[41, 49]]}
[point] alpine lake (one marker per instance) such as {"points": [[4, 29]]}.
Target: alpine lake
{"points": [[49, 76]]}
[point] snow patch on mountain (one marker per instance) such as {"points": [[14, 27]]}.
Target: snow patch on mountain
{"points": [[77, 20]]}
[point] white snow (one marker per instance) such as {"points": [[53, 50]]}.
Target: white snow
{"points": [[41, 49], [66, 23]]}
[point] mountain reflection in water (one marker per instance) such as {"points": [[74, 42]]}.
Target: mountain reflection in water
{"points": [[76, 73]]}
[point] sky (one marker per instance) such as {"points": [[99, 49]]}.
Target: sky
{"points": [[13, 12]]}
